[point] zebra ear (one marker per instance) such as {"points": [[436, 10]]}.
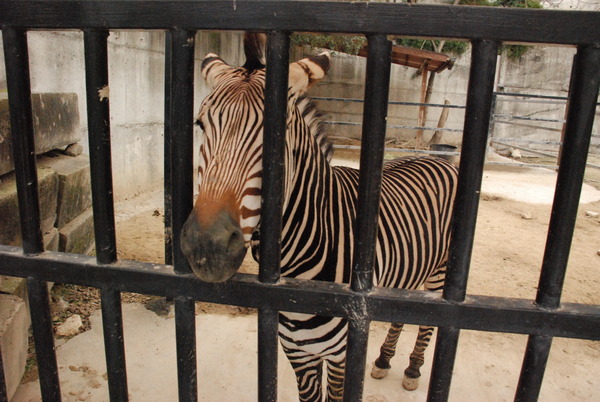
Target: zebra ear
{"points": [[212, 67], [307, 72]]}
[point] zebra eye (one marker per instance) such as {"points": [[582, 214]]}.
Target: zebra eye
{"points": [[199, 124]]}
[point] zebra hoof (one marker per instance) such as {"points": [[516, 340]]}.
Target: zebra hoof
{"points": [[410, 384], [379, 373]]}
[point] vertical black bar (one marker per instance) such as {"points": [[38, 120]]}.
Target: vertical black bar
{"points": [[583, 95], [43, 337], [16, 57], [97, 96], [167, 147], [371, 161], [185, 332], [443, 364], [273, 152], [356, 358], [578, 127], [533, 368], [114, 348], [268, 321], [180, 122], [477, 120], [369, 191], [21, 122], [276, 86]]}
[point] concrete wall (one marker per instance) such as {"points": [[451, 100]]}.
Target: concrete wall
{"points": [[136, 80], [346, 80], [137, 85], [544, 70]]}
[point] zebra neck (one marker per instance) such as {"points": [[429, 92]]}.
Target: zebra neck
{"points": [[312, 217]]}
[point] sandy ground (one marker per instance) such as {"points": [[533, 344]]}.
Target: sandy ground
{"points": [[509, 245]]}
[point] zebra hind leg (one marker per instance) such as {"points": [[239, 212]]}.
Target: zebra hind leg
{"points": [[412, 372], [386, 352], [434, 283]]}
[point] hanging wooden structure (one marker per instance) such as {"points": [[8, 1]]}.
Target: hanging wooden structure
{"points": [[425, 61]]}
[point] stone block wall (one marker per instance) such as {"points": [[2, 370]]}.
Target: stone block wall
{"points": [[65, 201], [14, 321], [56, 125], [65, 204], [67, 225]]}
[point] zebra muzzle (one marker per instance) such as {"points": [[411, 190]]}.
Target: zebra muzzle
{"points": [[214, 251]]}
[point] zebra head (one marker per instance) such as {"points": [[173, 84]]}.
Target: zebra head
{"points": [[219, 229]]}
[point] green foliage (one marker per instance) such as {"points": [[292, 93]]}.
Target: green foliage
{"points": [[352, 44], [518, 3], [503, 3], [513, 52], [340, 43]]}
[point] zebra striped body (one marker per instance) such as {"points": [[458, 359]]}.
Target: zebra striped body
{"points": [[318, 213], [413, 237]]}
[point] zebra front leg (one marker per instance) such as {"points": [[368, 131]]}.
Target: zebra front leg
{"points": [[387, 351], [335, 380], [417, 358]]}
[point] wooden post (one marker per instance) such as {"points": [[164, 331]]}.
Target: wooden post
{"points": [[437, 136], [422, 108]]}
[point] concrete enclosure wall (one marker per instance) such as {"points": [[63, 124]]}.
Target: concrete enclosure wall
{"points": [[136, 81], [136, 66]]}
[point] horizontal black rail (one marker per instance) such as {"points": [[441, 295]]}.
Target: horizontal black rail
{"points": [[402, 103], [533, 96], [458, 22], [487, 313]]}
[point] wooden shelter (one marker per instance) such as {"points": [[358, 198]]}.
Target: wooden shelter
{"points": [[425, 61]]}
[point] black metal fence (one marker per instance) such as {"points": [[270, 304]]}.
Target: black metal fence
{"points": [[543, 318]]}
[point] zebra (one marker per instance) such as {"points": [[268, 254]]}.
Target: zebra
{"points": [[319, 208]]}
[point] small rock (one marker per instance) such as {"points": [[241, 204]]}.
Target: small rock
{"points": [[70, 327], [592, 214], [598, 252], [74, 150], [161, 306], [528, 215], [515, 153]]}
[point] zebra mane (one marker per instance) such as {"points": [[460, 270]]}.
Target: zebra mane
{"points": [[316, 124], [255, 49]]}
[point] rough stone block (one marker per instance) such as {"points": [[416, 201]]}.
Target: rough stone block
{"points": [[14, 324], [74, 194], [51, 240], [74, 149], [55, 125], [77, 236], [13, 286], [10, 227]]}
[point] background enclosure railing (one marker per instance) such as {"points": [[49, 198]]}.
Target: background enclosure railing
{"points": [[486, 28]]}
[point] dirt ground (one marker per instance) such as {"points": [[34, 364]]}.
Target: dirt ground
{"points": [[507, 255]]}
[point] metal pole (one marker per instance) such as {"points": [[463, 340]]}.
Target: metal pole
{"points": [[477, 120], [369, 191]]}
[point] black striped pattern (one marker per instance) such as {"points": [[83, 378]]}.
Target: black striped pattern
{"points": [[319, 210]]}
